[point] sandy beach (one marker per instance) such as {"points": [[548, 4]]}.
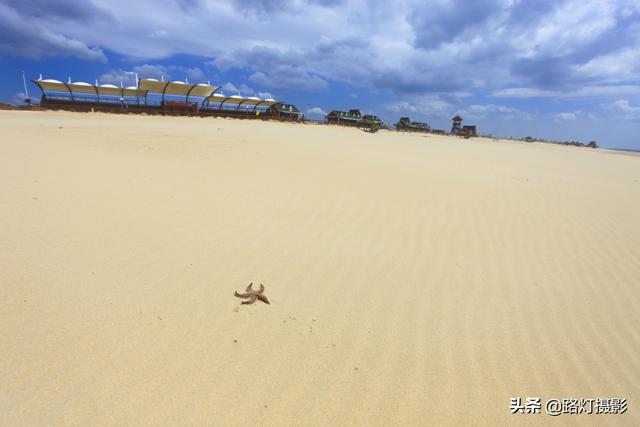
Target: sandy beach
{"points": [[414, 279]]}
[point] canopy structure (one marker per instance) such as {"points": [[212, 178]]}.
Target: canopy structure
{"points": [[80, 91], [238, 101], [177, 88], [50, 85]]}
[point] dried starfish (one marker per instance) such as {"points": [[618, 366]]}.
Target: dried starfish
{"points": [[253, 295]]}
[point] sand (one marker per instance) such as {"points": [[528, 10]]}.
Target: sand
{"points": [[413, 279]]}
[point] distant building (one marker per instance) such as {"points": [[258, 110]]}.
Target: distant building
{"points": [[407, 125], [349, 118], [464, 131], [284, 112], [469, 130], [457, 125]]}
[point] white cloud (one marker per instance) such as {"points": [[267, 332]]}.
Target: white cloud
{"points": [[127, 78], [525, 92], [531, 48], [243, 89], [503, 112], [429, 106], [623, 108], [618, 66], [158, 34], [36, 36], [587, 91], [570, 25], [564, 117], [195, 75], [435, 107], [151, 71], [288, 78], [412, 47], [316, 112], [266, 95]]}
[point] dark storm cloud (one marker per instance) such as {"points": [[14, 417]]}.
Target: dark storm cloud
{"points": [[26, 28], [443, 22], [544, 72], [404, 45], [530, 13], [411, 83], [550, 70], [262, 6], [327, 3], [189, 5], [66, 9]]}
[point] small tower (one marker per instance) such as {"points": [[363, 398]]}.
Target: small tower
{"points": [[457, 125]]}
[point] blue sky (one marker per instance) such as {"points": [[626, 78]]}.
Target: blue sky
{"points": [[566, 70]]}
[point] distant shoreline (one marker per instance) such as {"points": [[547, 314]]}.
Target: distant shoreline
{"points": [[630, 150], [622, 151]]}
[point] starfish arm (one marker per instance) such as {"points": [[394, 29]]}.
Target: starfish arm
{"points": [[261, 288], [251, 300], [247, 295], [249, 287], [263, 298]]}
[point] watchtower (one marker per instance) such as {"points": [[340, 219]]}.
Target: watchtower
{"points": [[457, 125]]}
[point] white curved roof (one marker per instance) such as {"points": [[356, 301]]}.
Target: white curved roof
{"points": [[239, 100], [253, 101], [82, 87], [52, 85], [154, 86], [177, 88]]}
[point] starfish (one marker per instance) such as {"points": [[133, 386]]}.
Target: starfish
{"points": [[253, 295]]}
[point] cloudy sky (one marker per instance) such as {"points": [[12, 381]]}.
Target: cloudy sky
{"points": [[554, 69]]}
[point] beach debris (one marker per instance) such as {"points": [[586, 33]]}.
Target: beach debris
{"points": [[251, 296]]}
